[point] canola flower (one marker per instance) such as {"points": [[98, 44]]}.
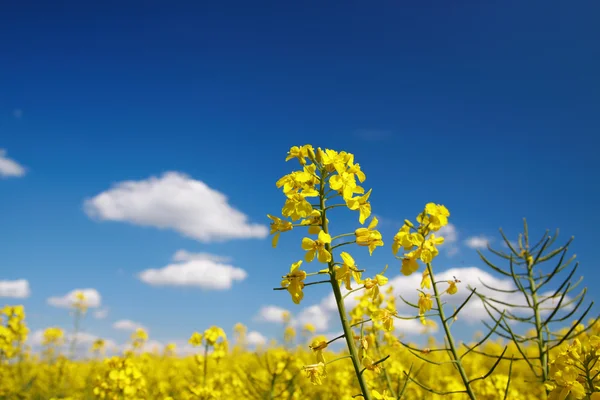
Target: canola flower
{"points": [[328, 175]]}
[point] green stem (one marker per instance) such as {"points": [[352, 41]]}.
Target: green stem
{"points": [[75, 333], [361, 322], [449, 337], [539, 328], [387, 375], [589, 379], [342, 244], [337, 359], [340, 300], [272, 389], [342, 235], [353, 291], [334, 339]]}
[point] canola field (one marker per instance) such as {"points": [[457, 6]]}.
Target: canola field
{"points": [[542, 344]]}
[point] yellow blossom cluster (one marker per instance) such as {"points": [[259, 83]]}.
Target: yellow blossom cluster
{"points": [[575, 369], [13, 331]]}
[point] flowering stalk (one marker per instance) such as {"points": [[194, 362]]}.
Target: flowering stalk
{"points": [[421, 243], [209, 338], [449, 337], [331, 175], [79, 308], [339, 300], [537, 300]]}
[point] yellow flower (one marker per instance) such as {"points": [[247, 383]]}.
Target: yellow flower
{"points": [[314, 222], [170, 349], [355, 169], [435, 216], [374, 284], [296, 207], [318, 345], [362, 204], [98, 345], [347, 270], [289, 334], [429, 250], [299, 152], [139, 337], [426, 280], [369, 236], [369, 364], [425, 303], [304, 181], [317, 247], [212, 334], [572, 388], [195, 339], [294, 282], [334, 161], [53, 336], [315, 372], [452, 288], [386, 317], [405, 239], [345, 184], [277, 226], [382, 396], [409, 263], [80, 302]]}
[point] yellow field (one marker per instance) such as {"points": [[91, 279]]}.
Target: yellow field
{"points": [[233, 372]]}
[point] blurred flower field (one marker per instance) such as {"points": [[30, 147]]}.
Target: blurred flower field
{"points": [[231, 371]]}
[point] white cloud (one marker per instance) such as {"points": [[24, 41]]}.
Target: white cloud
{"points": [[317, 315], [128, 325], [271, 314], [174, 201], [450, 235], [18, 289], [101, 314], [474, 311], [194, 270], [452, 251], [469, 276], [18, 113], [92, 299], [151, 346], [184, 255], [324, 315], [477, 242], [9, 167], [256, 338], [83, 342], [183, 347], [84, 338], [412, 327]]}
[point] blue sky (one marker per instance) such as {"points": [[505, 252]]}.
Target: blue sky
{"points": [[489, 109]]}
